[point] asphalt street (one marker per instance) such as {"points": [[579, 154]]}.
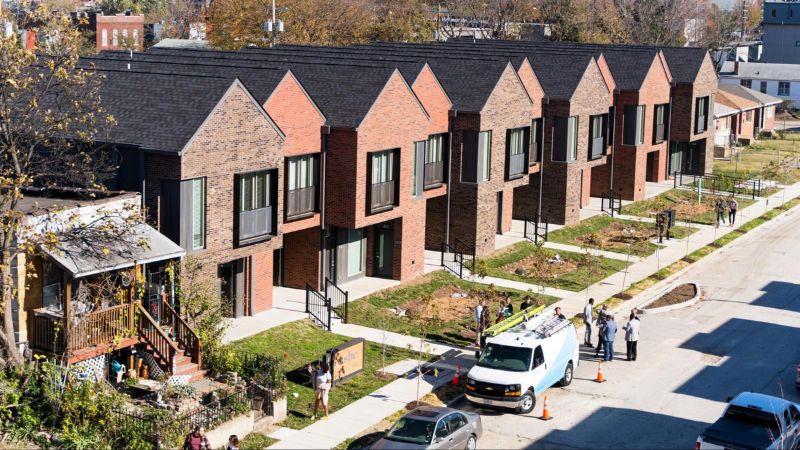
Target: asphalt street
{"points": [[742, 336]]}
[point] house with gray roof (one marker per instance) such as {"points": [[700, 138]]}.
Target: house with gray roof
{"points": [[777, 80]]}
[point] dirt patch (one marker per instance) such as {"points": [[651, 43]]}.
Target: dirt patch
{"points": [[686, 208], [680, 294], [620, 233], [622, 296], [442, 304], [544, 266]]}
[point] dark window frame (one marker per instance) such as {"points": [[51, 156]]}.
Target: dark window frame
{"points": [[269, 208], [314, 159], [513, 160], [393, 171], [660, 136]]}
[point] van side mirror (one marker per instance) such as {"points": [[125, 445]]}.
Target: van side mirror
{"points": [[728, 400]]}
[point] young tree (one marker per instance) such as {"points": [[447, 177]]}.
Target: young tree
{"points": [[201, 306], [495, 19], [658, 22], [402, 21], [49, 115]]}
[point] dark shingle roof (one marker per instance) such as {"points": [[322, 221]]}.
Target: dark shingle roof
{"points": [[344, 93], [158, 111], [684, 63]]}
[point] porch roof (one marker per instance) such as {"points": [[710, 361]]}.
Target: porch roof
{"points": [[81, 258]]}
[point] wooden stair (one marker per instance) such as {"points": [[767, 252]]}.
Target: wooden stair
{"points": [[180, 356]]}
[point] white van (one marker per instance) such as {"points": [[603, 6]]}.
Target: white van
{"points": [[517, 365]]}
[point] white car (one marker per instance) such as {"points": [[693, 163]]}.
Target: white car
{"points": [[754, 421], [519, 364]]}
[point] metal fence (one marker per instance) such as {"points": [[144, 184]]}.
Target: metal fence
{"points": [[467, 254], [536, 230], [318, 307], [452, 260], [611, 203], [719, 184], [338, 300]]}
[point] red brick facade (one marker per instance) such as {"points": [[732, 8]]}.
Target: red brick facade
{"points": [[684, 100], [119, 32]]}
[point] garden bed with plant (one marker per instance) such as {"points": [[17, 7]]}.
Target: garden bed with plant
{"points": [[438, 306], [685, 204], [299, 344], [571, 271], [615, 235]]}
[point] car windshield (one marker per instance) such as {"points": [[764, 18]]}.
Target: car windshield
{"points": [[503, 357], [412, 430]]}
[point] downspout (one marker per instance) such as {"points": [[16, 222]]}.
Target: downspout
{"points": [[669, 134], [142, 178], [452, 126], [614, 141], [545, 101], [325, 131]]}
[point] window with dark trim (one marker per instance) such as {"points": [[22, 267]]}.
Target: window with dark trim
{"points": [[302, 173], [535, 153], [192, 217], [485, 155], [434, 161], [597, 136], [565, 148], [256, 206], [784, 88], [517, 147], [660, 118], [763, 87], [701, 114], [746, 83], [633, 125], [382, 180]]}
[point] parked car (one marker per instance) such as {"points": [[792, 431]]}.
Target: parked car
{"points": [[519, 364], [430, 427], [754, 421]]}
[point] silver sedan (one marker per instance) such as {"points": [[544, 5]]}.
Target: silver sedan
{"points": [[433, 427]]}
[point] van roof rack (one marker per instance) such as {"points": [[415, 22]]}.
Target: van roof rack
{"points": [[551, 326], [514, 320]]}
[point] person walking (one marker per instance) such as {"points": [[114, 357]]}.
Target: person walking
{"points": [[233, 443], [322, 387], [486, 322], [501, 312], [733, 206], [632, 336], [588, 316], [600, 323], [720, 207], [609, 332], [197, 440]]}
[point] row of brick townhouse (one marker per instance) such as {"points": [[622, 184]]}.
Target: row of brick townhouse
{"points": [[296, 164]]}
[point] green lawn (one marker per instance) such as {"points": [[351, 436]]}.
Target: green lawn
{"points": [[685, 204], [766, 159], [430, 310], [256, 441], [590, 269], [303, 343], [606, 233]]}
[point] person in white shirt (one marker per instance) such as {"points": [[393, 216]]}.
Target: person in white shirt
{"points": [[588, 318], [632, 335], [322, 386]]}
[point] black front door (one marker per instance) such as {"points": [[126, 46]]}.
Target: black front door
{"points": [[651, 164], [384, 250], [277, 267], [231, 277], [499, 213]]}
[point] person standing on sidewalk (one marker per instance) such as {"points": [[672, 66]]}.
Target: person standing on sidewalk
{"points": [[322, 387], [609, 333], [632, 336], [720, 207], [501, 312], [588, 316], [478, 316], [733, 206], [600, 323], [486, 322]]}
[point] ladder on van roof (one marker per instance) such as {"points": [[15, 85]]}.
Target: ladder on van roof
{"points": [[551, 326], [513, 321]]}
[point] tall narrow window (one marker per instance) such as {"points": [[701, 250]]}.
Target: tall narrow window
{"points": [[434, 161], [572, 138], [382, 183], [115, 37], [565, 146], [660, 124], [198, 213], [485, 154], [104, 38], [701, 114], [517, 142], [136, 38], [301, 189], [633, 123], [536, 142], [763, 87], [417, 174], [255, 205], [597, 143]]}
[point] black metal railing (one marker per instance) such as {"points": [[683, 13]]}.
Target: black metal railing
{"points": [[719, 183], [597, 149], [255, 223], [317, 307], [338, 300], [536, 230], [611, 203], [452, 260], [382, 195], [516, 164], [301, 201], [467, 254], [434, 173]]}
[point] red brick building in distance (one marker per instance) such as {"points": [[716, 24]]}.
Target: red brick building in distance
{"points": [[121, 31]]}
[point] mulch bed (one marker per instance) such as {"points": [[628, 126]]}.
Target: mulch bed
{"points": [[680, 294]]}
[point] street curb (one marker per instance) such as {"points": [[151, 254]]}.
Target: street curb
{"points": [[644, 309]]}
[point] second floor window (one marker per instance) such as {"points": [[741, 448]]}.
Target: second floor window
{"points": [[763, 87], [566, 141], [485, 152], [535, 154], [517, 142], [597, 139], [193, 214], [783, 88], [747, 83], [255, 205], [382, 180], [104, 38], [301, 173], [660, 123], [115, 37], [701, 116], [434, 160], [476, 156], [633, 125]]}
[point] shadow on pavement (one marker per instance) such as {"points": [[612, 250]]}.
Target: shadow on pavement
{"points": [[780, 295], [742, 355], [622, 428]]}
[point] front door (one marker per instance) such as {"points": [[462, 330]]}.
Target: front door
{"points": [[231, 277], [384, 250], [349, 261], [650, 175], [500, 212], [277, 267]]}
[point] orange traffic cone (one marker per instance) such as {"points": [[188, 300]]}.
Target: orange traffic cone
{"points": [[600, 378], [546, 412], [457, 376]]}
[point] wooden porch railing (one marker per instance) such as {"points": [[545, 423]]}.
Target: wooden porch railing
{"points": [[183, 334], [162, 346], [95, 329]]}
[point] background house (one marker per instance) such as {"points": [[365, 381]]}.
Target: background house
{"points": [[778, 80]]}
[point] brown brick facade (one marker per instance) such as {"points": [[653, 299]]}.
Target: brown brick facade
{"points": [[301, 258]]}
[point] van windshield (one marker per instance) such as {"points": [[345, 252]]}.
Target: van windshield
{"points": [[503, 357]]}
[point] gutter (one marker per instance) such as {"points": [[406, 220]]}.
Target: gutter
{"points": [[452, 126], [546, 101], [325, 131], [614, 143]]}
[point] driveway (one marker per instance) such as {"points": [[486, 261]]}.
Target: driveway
{"points": [[742, 336]]}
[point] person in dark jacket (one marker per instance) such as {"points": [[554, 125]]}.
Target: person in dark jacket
{"points": [[733, 206], [600, 323], [720, 208], [196, 440]]}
